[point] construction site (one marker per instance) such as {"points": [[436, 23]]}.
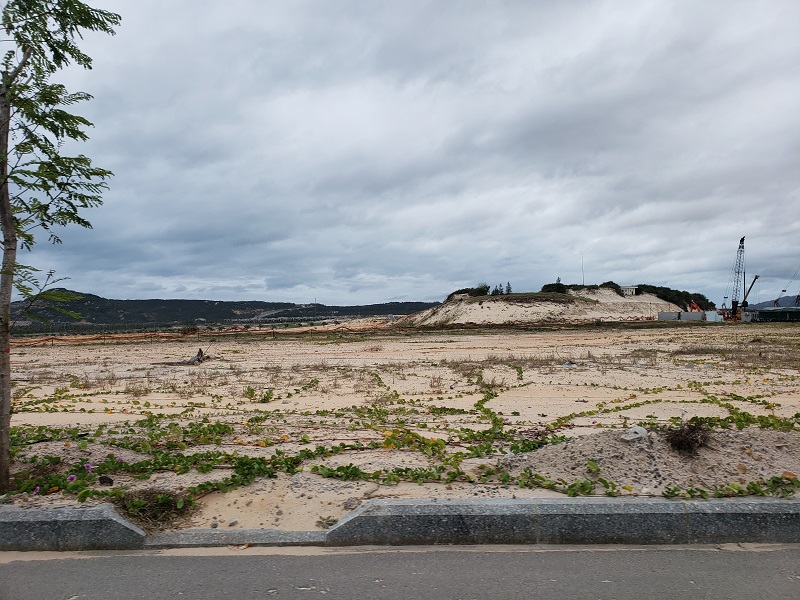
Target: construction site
{"points": [[782, 309]]}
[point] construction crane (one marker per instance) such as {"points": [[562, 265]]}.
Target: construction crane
{"points": [[736, 286], [777, 303]]}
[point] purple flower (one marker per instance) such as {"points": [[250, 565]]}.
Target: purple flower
{"points": [[72, 478], [121, 459], [88, 466], [36, 490]]}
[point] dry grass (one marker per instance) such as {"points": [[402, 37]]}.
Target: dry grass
{"points": [[689, 437]]}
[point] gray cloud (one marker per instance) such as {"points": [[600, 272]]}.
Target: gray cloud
{"points": [[364, 152]]}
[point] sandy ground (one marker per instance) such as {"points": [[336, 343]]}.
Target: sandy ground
{"points": [[84, 402]]}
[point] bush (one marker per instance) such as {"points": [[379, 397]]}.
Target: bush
{"points": [[482, 289], [557, 288]]}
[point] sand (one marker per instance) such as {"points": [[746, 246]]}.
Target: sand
{"points": [[353, 388]]}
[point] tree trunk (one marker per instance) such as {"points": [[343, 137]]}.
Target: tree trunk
{"points": [[6, 286]]}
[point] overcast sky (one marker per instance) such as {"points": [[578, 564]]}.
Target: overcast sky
{"points": [[355, 152]]}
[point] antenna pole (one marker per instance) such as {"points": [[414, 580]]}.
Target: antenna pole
{"points": [[583, 276]]}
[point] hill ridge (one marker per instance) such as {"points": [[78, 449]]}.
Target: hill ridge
{"points": [[95, 309]]}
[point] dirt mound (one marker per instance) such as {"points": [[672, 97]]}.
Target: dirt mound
{"points": [[650, 465]]}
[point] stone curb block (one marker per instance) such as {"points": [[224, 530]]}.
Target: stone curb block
{"points": [[97, 527], [573, 521]]}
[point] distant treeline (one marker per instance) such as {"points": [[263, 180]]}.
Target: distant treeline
{"points": [[682, 299], [95, 309]]}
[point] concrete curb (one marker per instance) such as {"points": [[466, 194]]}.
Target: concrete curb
{"points": [[587, 520], [97, 527]]}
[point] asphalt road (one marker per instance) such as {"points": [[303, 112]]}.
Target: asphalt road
{"points": [[646, 573]]}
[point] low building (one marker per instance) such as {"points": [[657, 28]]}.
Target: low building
{"points": [[628, 290]]}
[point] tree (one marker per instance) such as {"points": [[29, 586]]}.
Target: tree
{"points": [[41, 188], [508, 287]]}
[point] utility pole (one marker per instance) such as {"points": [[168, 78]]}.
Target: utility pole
{"points": [[583, 276]]}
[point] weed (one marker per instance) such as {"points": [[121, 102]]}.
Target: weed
{"points": [[136, 389], [689, 436], [154, 508]]}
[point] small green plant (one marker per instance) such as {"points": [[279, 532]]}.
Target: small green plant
{"points": [[582, 487]]}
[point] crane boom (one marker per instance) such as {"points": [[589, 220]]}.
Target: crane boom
{"points": [[744, 300]]}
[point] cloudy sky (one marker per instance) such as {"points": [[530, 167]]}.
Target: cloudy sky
{"points": [[357, 151]]}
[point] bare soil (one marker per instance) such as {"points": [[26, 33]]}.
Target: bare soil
{"points": [[81, 402]]}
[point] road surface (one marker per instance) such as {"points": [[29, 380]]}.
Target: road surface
{"points": [[731, 572]]}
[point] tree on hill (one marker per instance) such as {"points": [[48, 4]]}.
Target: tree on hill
{"points": [[41, 188]]}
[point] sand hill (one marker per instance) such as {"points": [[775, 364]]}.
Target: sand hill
{"points": [[580, 307]]}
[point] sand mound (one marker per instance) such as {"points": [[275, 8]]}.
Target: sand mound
{"points": [[586, 306]]}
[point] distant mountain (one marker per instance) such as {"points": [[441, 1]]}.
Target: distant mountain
{"points": [[98, 310], [784, 301]]}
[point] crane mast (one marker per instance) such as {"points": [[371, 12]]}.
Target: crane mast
{"points": [[738, 277]]}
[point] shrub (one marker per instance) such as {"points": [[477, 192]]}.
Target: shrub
{"points": [[482, 289], [558, 288]]}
